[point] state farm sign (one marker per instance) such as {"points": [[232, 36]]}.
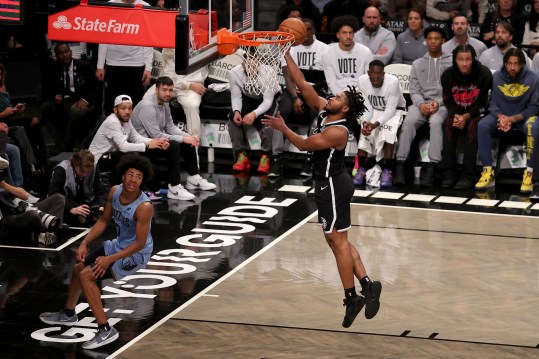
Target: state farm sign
{"points": [[83, 24], [114, 25]]}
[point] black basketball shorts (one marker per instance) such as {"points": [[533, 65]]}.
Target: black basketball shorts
{"points": [[333, 196]]}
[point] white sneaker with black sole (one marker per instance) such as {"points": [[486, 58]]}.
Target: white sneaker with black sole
{"points": [[197, 182], [178, 192]]}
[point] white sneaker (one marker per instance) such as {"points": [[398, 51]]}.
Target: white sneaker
{"points": [[178, 192], [3, 163], [46, 238], [197, 182], [32, 199]]}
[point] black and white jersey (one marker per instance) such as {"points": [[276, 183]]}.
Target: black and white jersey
{"points": [[328, 162]]}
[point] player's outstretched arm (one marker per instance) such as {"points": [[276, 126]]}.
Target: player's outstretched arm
{"points": [[308, 92], [333, 137]]}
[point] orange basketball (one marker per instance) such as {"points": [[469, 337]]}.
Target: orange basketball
{"points": [[295, 27]]}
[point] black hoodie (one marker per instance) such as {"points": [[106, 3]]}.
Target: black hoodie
{"points": [[466, 94]]}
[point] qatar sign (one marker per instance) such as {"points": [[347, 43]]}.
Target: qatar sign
{"points": [[114, 25]]}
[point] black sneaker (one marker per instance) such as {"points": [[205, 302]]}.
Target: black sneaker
{"points": [[275, 168], [449, 179], [353, 307], [464, 183], [427, 180], [306, 169], [399, 177], [372, 299]]}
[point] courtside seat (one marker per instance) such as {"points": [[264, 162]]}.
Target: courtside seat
{"points": [[402, 72]]}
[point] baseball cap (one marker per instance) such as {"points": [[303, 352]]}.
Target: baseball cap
{"points": [[122, 98]]}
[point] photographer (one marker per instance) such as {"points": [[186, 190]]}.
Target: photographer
{"points": [[79, 181], [19, 219]]}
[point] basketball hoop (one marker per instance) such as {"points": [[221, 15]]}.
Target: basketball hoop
{"points": [[262, 52]]}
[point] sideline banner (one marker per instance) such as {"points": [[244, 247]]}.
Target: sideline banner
{"points": [[114, 25]]}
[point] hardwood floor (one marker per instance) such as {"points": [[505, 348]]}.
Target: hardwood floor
{"points": [[456, 285]]}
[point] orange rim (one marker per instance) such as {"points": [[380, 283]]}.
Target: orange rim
{"points": [[224, 37]]}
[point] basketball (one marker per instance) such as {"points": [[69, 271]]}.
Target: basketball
{"points": [[295, 27]]}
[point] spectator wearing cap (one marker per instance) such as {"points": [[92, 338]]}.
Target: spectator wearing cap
{"points": [[428, 106], [117, 134]]}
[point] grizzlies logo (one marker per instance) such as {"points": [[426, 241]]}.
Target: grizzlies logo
{"points": [[129, 263]]}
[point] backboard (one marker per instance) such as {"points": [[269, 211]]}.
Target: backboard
{"points": [[197, 25]]}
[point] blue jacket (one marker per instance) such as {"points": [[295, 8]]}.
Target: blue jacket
{"points": [[513, 98]]}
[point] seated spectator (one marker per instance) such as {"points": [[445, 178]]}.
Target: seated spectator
{"points": [[346, 59], [13, 155], [514, 104], [151, 118], [18, 219], [308, 10], [4, 163], [411, 44], [401, 8], [248, 109], [25, 131], [289, 11], [378, 39], [116, 134], [337, 8], [380, 123], [443, 10], [188, 89], [428, 107], [223, 15], [531, 30], [466, 87], [459, 26], [506, 10], [308, 56], [493, 57], [479, 11], [79, 181], [74, 104]]}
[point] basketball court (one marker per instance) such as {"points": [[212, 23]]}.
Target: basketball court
{"points": [[455, 285]]}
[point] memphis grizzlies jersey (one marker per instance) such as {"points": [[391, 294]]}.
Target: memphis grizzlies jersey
{"points": [[328, 162], [126, 228]]}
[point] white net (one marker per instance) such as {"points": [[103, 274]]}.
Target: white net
{"points": [[262, 62]]}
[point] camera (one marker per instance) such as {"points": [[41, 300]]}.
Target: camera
{"points": [[95, 212], [50, 222]]}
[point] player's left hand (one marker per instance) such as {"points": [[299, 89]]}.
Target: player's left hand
{"points": [[101, 265], [276, 122]]}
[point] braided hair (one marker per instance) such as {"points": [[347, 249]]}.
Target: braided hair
{"points": [[356, 103]]}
